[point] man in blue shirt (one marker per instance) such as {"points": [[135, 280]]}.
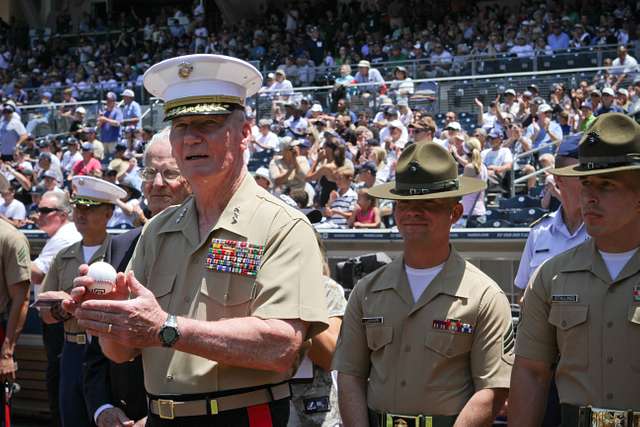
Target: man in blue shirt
{"points": [[608, 104], [544, 130], [558, 39], [109, 124], [131, 112]]}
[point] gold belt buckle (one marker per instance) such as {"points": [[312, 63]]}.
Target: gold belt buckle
{"points": [[165, 409], [601, 417], [81, 339], [399, 420]]}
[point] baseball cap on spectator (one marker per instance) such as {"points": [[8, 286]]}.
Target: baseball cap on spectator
{"points": [[623, 91], [263, 172], [569, 146], [495, 133], [287, 143], [264, 122], [120, 146], [453, 126], [545, 108], [423, 123], [401, 69], [316, 108], [305, 143], [395, 124], [50, 174], [281, 72], [292, 104], [586, 105], [37, 190], [128, 92], [608, 91], [8, 108], [47, 95], [81, 110], [87, 146], [43, 143], [364, 64], [510, 92], [527, 94], [533, 88], [390, 111], [111, 96], [90, 129], [538, 100], [385, 101], [271, 76], [367, 166], [596, 92]]}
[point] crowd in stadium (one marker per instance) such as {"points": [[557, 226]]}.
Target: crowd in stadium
{"points": [[313, 156], [300, 39]]}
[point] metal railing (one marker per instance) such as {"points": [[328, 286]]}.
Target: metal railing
{"points": [[514, 181]]}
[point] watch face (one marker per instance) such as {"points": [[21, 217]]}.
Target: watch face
{"points": [[169, 335]]}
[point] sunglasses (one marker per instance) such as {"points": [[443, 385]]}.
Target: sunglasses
{"points": [[168, 175], [45, 210]]}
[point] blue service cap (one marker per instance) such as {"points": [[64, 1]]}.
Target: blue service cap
{"points": [[569, 146]]}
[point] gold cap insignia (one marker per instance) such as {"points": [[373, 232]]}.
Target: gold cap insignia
{"points": [[185, 69]]}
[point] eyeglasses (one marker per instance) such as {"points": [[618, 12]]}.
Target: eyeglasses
{"points": [[45, 210], [168, 175]]}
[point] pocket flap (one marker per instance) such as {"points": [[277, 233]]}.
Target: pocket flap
{"points": [[634, 314], [379, 336], [163, 284], [447, 344], [228, 289], [566, 316]]}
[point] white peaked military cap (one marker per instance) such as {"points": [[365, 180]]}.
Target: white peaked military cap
{"points": [[202, 84], [92, 191]]}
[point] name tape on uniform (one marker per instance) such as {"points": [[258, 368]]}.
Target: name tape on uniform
{"points": [[372, 320], [453, 325], [232, 256], [564, 298]]}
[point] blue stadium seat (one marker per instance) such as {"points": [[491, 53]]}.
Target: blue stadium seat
{"points": [[525, 216], [499, 223], [519, 202]]}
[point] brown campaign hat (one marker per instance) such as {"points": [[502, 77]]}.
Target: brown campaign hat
{"points": [[611, 144], [426, 171]]}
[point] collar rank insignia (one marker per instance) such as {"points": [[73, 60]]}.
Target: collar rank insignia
{"points": [[232, 256], [453, 325], [636, 293]]}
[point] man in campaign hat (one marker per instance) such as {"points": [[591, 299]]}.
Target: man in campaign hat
{"points": [[93, 203], [581, 309], [429, 336], [223, 289]]}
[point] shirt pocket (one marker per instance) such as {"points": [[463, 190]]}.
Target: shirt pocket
{"points": [[572, 333], [225, 295], [378, 340], [162, 289], [634, 335]]}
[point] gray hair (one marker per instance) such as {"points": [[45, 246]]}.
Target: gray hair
{"points": [[161, 137], [61, 200]]}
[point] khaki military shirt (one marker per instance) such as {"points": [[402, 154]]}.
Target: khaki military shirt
{"points": [[15, 264], [573, 311], [416, 361], [171, 260], [64, 269]]}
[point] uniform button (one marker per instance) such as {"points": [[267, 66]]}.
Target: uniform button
{"points": [[609, 324], [563, 323], [407, 348], [609, 396], [403, 383], [169, 378], [609, 359]]}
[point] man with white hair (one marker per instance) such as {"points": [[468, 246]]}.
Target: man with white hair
{"points": [[366, 74]]}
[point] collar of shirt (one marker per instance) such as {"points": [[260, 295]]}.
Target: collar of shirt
{"points": [[75, 251], [448, 281], [235, 217], [558, 225], [587, 258]]}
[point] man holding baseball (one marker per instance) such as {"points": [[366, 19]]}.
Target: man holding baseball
{"points": [[93, 206]]}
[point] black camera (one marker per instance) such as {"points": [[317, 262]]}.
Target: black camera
{"points": [[350, 271]]}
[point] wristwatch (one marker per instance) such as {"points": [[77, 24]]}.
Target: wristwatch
{"points": [[169, 332]]}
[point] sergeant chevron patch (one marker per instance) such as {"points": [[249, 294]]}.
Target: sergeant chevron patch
{"points": [[508, 340]]}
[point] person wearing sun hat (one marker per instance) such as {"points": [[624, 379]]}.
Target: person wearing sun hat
{"points": [[227, 282], [93, 201], [429, 336], [582, 308]]}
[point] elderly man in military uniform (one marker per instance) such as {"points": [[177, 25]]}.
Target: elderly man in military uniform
{"points": [[582, 308], [93, 206], [226, 287], [429, 337], [15, 272]]}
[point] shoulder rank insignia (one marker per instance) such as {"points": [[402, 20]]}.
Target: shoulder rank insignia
{"points": [[232, 256], [539, 220], [453, 325]]}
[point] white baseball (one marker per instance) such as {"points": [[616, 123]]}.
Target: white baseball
{"points": [[105, 278]]}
